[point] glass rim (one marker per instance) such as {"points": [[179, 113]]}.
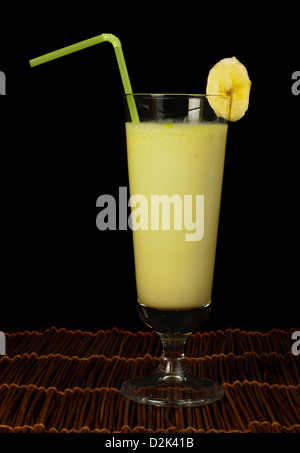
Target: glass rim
{"points": [[176, 95]]}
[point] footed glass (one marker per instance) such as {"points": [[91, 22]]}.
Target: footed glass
{"points": [[176, 158]]}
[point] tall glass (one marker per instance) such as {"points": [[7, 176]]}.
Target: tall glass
{"points": [[175, 162]]}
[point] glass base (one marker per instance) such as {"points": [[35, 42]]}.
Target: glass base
{"points": [[168, 390], [172, 384]]}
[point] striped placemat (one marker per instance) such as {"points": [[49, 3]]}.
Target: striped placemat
{"points": [[69, 381]]}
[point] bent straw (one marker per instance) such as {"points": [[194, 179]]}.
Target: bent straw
{"points": [[91, 42]]}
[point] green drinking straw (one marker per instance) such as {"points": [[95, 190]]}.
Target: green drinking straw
{"points": [[91, 42]]}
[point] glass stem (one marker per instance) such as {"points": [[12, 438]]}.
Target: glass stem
{"points": [[173, 360]]}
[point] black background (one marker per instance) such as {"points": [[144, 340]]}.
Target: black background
{"points": [[63, 145]]}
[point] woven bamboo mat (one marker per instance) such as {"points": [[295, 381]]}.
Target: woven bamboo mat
{"points": [[69, 381]]}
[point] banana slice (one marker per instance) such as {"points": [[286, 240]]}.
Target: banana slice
{"points": [[229, 77]]}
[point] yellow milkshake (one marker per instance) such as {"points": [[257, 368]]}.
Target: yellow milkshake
{"points": [[174, 267]]}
